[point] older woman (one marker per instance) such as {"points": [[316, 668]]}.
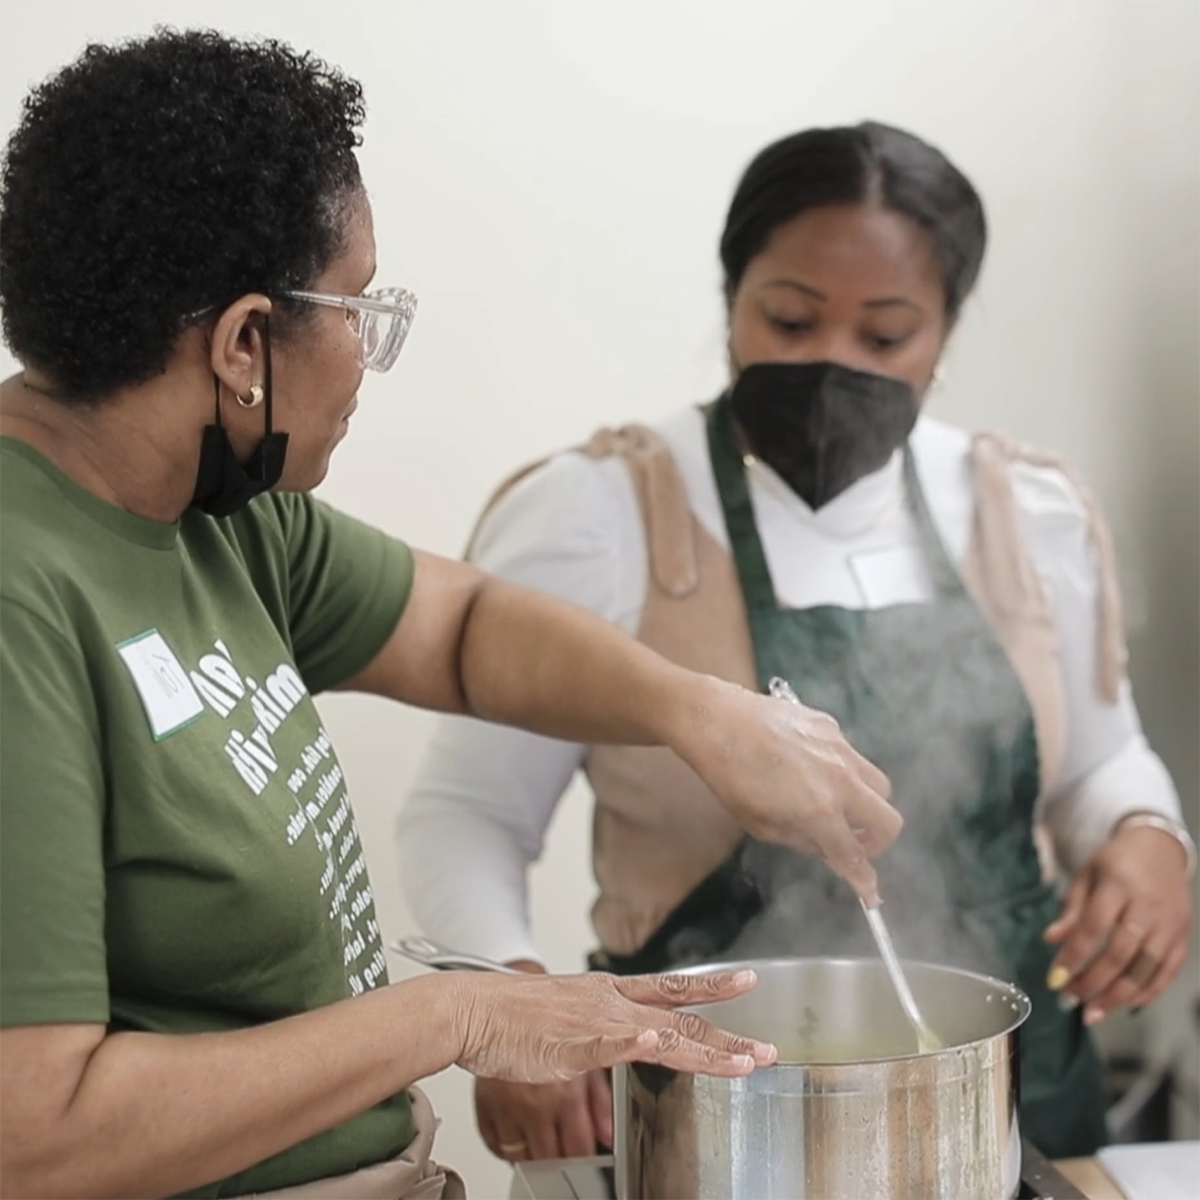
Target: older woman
{"points": [[194, 995], [950, 600]]}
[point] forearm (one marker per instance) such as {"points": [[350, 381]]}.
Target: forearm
{"points": [[154, 1114], [558, 670]]}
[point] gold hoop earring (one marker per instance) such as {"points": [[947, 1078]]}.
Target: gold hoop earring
{"points": [[256, 397]]}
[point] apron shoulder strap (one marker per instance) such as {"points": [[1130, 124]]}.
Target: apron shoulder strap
{"points": [[1007, 573], [662, 498]]}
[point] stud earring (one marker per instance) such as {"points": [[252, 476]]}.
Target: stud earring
{"points": [[256, 397]]}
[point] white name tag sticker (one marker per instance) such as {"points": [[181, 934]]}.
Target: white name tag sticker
{"points": [[897, 575], [169, 698]]}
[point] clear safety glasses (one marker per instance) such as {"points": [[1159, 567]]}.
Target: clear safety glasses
{"points": [[381, 319]]}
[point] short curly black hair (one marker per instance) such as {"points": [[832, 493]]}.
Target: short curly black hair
{"points": [[159, 177]]}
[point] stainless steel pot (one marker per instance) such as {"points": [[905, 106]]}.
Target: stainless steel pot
{"points": [[850, 1111]]}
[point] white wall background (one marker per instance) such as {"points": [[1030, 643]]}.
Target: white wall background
{"points": [[551, 177]]}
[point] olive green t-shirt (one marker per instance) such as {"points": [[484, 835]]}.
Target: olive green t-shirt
{"points": [[178, 853]]}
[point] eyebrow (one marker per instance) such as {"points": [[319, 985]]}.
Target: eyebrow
{"points": [[882, 302]]}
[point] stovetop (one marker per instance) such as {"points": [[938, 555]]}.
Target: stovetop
{"points": [[593, 1179]]}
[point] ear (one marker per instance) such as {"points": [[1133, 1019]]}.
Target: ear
{"points": [[938, 373], [237, 345]]}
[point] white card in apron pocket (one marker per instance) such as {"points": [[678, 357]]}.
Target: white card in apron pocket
{"points": [[896, 575]]}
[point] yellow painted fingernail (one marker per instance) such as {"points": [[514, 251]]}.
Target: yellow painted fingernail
{"points": [[1057, 977]]}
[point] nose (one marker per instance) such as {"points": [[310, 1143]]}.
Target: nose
{"points": [[832, 345]]}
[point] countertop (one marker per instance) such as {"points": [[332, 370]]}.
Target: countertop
{"points": [[1090, 1178]]}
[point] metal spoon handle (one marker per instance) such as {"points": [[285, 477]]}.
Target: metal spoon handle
{"points": [[887, 952], [440, 958]]}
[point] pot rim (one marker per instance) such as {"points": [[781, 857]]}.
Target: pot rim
{"points": [[1013, 992]]}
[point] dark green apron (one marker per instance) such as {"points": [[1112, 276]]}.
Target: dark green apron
{"points": [[926, 692]]}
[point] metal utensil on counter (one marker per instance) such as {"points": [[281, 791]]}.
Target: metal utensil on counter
{"points": [[439, 958], [928, 1042]]}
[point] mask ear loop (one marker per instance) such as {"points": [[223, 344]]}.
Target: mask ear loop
{"points": [[267, 383]]}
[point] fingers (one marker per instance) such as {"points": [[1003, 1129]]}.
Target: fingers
{"points": [[540, 1138], [566, 1026], [845, 854], [679, 991], [875, 781], [1114, 952], [1086, 939], [487, 1131], [1109, 959], [505, 1140], [1122, 934], [1139, 971], [692, 1027], [1117, 972], [609, 1051], [600, 1104], [576, 1133], [874, 821], [669, 1047], [680, 1053], [1173, 959], [1146, 975], [535, 1121], [687, 1042], [858, 796], [853, 821], [1073, 905]]}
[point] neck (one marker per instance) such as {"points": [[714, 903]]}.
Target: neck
{"points": [[134, 449]]}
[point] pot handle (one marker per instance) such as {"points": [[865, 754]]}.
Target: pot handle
{"points": [[440, 958]]}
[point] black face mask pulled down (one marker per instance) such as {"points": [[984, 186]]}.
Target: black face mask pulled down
{"points": [[820, 426], [224, 485]]}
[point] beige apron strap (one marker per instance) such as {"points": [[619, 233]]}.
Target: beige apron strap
{"points": [[411, 1175], [1112, 655], [1002, 578], [1112, 652], [1004, 583], [1007, 575], [662, 496]]}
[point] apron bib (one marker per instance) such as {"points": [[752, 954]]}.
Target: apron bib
{"points": [[928, 694]]}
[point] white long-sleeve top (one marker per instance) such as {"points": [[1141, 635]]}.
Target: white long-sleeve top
{"points": [[476, 816]]}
